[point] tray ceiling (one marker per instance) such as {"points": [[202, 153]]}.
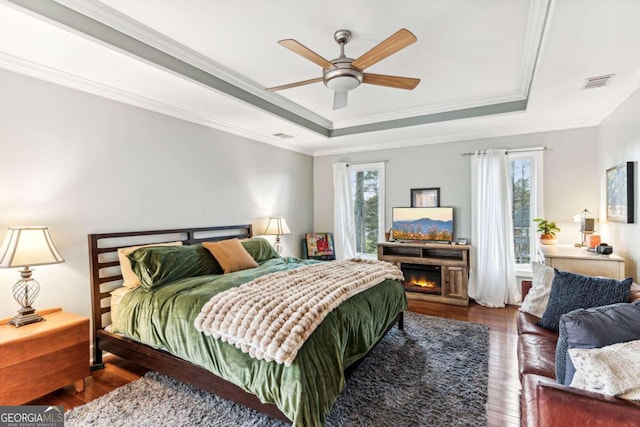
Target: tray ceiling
{"points": [[487, 68]]}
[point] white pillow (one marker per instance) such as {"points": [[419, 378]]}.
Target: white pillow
{"points": [[611, 370], [536, 300]]}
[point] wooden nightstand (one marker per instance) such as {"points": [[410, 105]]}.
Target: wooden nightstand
{"points": [[39, 358]]}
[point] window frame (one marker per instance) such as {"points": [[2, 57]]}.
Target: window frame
{"points": [[535, 203], [380, 168]]}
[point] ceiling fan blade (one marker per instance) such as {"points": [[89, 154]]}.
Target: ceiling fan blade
{"points": [[390, 81], [304, 51], [339, 100], [397, 41], [296, 84]]}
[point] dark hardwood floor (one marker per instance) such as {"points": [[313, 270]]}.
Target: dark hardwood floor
{"points": [[504, 387]]}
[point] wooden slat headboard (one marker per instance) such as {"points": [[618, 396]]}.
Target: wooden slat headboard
{"points": [[105, 268]]}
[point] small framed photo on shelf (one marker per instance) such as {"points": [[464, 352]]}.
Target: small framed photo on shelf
{"points": [[425, 197]]}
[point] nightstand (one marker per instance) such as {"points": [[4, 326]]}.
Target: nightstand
{"points": [[39, 358]]}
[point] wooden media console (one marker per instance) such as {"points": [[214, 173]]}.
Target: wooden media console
{"points": [[433, 271]]}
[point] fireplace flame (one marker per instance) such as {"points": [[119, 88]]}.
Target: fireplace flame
{"points": [[423, 283]]}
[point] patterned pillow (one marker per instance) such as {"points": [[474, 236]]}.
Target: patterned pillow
{"points": [[594, 328], [538, 296], [609, 370], [570, 291]]}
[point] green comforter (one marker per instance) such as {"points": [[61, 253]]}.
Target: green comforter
{"points": [[306, 390]]}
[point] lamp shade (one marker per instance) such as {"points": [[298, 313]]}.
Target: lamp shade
{"points": [[277, 227], [28, 246]]}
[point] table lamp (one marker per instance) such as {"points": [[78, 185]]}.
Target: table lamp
{"points": [[277, 226], [26, 247], [587, 226]]}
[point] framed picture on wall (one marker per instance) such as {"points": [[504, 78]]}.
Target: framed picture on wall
{"points": [[425, 197], [620, 189]]}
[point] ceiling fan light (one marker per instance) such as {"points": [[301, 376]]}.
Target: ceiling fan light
{"points": [[343, 83]]}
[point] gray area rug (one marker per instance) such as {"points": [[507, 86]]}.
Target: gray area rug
{"points": [[434, 373]]}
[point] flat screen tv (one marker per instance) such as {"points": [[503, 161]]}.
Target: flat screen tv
{"points": [[422, 224]]}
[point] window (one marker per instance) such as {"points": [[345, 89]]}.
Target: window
{"points": [[367, 185], [526, 203]]}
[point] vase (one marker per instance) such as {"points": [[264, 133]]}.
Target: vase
{"points": [[548, 240]]}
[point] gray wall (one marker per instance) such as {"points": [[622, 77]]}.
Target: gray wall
{"points": [[570, 184], [619, 142], [82, 164]]}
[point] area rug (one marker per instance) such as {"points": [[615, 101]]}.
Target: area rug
{"points": [[434, 373]]}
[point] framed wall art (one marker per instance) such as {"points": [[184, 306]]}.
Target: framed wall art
{"points": [[620, 193], [319, 246], [425, 197]]}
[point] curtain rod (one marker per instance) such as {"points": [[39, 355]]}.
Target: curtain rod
{"points": [[513, 150], [365, 163]]}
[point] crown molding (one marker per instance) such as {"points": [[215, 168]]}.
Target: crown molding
{"points": [[41, 72], [539, 15], [120, 22], [462, 136], [630, 86], [449, 107]]}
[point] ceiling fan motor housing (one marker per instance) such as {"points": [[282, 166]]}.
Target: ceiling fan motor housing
{"points": [[344, 77]]}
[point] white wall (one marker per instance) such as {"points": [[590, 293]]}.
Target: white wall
{"points": [[81, 164], [619, 142], [570, 182]]}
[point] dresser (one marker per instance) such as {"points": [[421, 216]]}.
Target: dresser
{"points": [[579, 260]]}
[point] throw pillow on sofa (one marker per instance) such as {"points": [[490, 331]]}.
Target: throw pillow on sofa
{"points": [[570, 291], [594, 328], [538, 296], [611, 370]]}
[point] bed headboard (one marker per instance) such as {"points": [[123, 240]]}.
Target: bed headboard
{"points": [[105, 268]]}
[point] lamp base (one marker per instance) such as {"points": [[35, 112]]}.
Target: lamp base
{"points": [[26, 316], [278, 246]]}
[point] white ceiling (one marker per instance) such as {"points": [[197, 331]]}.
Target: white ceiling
{"points": [[487, 67]]}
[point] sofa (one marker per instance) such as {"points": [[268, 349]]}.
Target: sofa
{"points": [[545, 402]]}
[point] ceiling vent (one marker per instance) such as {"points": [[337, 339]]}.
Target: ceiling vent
{"points": [[594, 82], [282, 135]]}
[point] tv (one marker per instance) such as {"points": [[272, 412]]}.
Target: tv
{"points": [[422, 224]]}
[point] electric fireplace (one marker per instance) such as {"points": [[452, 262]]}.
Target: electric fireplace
{"points": [[422, 278]]}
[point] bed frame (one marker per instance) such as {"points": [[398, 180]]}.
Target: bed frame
{"points": [[105, 276]]}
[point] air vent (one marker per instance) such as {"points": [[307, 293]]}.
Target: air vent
{"points": [[594, 82], [282, 135]]}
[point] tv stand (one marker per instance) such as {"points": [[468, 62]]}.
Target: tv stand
{"points": [[451, 260]]}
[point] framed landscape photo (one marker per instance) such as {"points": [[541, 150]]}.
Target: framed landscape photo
{"points": [[425, 197], [620, 191]]}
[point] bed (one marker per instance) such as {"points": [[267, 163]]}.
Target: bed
{"points": [[226, 372]]}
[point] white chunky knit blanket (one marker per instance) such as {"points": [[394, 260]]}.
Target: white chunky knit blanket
{"points": [[271, 317]]}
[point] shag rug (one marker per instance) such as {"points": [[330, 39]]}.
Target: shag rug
{"points": [[434, 373]]}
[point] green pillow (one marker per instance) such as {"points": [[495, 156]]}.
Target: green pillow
{"points": [[158, 265], [259, 249]]}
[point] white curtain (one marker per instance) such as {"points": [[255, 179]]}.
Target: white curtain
{"points": [[492, 280], [344, 228]]}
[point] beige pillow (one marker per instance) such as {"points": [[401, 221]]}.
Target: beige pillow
{"points": [[231, 255], [130, 278], [538, 297], [611, 370]]}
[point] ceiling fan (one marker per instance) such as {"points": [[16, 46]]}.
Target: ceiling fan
{"points": [[343, 74]]}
